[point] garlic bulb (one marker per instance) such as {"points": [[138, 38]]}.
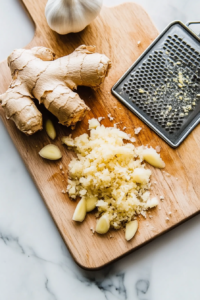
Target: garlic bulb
{"points": [[65, 16]]}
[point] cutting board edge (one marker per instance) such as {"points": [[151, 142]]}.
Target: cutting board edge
{"points": [[77, 261], [139, 246]]}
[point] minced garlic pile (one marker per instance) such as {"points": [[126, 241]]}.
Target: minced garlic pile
{"points": [[111, 173]]}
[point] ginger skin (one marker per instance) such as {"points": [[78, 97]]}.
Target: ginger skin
{"points": [[35, 74]]}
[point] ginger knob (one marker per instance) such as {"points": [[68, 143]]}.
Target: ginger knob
{"points": [[37, 74]]}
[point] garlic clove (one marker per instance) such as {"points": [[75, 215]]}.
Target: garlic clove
{"points": [[51, 152], [153, 158], [93, 123], [152, 202], [67, 140], [80, 211], [141, 175], [131, 228], [71, 16], [50, 129], [103, 224], [91, 203]]}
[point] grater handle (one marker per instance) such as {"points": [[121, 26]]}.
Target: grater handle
{"points": [[195, 22]]}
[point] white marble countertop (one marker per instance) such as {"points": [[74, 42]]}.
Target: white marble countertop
{"points": [[34, 261]]}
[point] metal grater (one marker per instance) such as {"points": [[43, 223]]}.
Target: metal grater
{"points": [[163, 86]]}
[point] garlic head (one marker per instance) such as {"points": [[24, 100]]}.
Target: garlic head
{"points": [[65, 16]]}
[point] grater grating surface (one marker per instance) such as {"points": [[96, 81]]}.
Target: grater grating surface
{"points": [[163, 86]]}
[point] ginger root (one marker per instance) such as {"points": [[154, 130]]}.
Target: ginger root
{"points": [[35, 74]]}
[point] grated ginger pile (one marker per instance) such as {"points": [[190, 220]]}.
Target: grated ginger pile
{"points": [[111, 171]]}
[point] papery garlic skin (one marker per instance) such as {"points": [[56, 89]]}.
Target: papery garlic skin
{"points": [[65, 16]]}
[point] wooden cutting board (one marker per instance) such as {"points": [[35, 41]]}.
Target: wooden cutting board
{"points": [[115, 33]]}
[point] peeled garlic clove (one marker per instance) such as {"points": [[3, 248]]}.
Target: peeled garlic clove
{"points": [[91, 203], [50, 129], [103, 224], [152, 202], [141, 175], [153, 158], [93, 123], [51, 152], [131, 228], [67, 140], [80, 211]]}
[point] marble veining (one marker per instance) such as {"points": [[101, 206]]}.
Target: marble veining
{"points": [[142, 287]]}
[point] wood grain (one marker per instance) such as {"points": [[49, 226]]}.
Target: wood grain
{"points": [[115, 33]]}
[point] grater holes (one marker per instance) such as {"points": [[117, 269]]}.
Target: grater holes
{"points": [[163, 124], [168, 40], [178, 126], [140, 105], [155, 100], [148, 112], [188, 46]]}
